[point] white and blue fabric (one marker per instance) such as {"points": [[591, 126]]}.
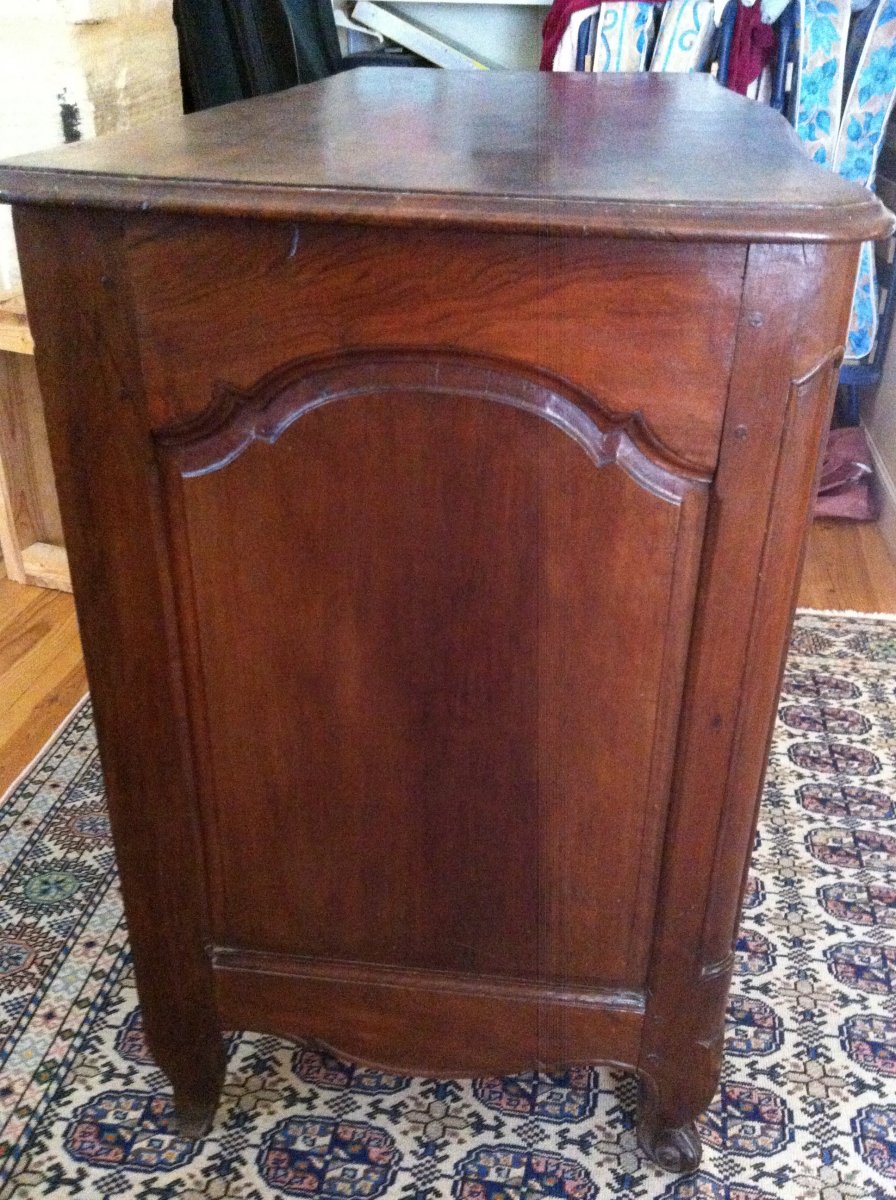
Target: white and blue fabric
{"points": [[625, 33], [818, 87], [847, 137], [856, 152], [686, 35]]}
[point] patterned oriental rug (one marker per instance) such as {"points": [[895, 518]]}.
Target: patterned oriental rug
{"points": [[807, 1109]]}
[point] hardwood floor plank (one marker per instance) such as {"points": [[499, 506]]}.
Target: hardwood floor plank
{"points": [[848, 567], [41, 671]]}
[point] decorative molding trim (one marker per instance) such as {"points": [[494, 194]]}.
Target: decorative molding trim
{"points": [[237, 418], [720, 927], [226, 958], [833, 358], [716, 969]]}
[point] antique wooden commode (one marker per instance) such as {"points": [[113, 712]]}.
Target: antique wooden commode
{"points": [[435, 453]]}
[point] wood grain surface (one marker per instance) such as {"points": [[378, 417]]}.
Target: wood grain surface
{"points": [[631, 155], [847, 567], [287, 291]]}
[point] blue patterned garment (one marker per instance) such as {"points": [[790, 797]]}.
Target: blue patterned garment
{"points": [[858, 145], [818, 95], [625, 33], [847, 137]]}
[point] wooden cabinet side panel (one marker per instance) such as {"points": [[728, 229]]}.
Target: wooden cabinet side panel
{"points": [[90, 379], [647, 327], [435, 704]]}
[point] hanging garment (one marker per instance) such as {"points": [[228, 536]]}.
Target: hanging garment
{"points": [[859, 29], [264, 45], [317, 52], [752, 47], [555, 24], [210, 69], [625, 34], [567, 53], [233, 49], [687, 31], [817, 99], [855, 155]]}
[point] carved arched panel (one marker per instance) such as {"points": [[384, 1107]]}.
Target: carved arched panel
{"points": [[450, 597]]}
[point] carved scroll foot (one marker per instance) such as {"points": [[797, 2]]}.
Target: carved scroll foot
{"points": [[676, 1150]]}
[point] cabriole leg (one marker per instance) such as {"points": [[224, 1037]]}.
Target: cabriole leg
{"points": [[197, 1079]]}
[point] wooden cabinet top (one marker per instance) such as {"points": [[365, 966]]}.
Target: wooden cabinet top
{"points": [[661, 156]]}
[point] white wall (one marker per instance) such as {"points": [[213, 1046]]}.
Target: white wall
{"points": [[97, 65], [879, 419]]}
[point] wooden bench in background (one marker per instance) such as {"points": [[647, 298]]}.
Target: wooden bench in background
{"points": [[30, 527]]}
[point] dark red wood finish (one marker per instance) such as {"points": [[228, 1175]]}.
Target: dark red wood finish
{"points": [[435, 582]]}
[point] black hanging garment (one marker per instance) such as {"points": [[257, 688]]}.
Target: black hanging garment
{"points": [[234, 49], [209, 66], [263, 40], [317, 51]]}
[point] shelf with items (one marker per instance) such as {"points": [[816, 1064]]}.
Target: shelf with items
{"points": [[506, 32]]}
